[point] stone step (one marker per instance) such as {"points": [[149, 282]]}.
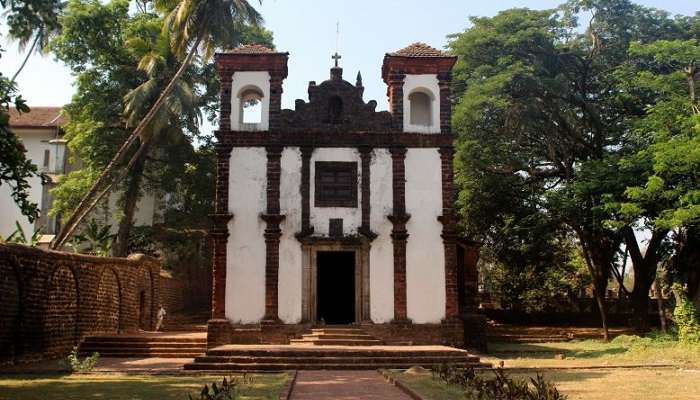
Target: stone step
{"points": [[149, 339], [336, 360], [331, 352], [116, 344], [338, 331], [338, 336], [160, 349], [337, 342], [302, 366], [129, 354]]}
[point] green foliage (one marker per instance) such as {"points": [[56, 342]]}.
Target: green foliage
{"points": [[15, 169], [228, 390], [98, 239], [685, 317], [553, 279], [500, 387], [85, 365], [18, 236]]}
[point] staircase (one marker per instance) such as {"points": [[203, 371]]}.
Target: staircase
{"points": [[146, 345], [304, 357], [337, 336]]}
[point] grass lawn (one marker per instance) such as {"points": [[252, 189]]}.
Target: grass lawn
{"points": [[623, 350], [647, 384], [678, 382], [128, 387]]}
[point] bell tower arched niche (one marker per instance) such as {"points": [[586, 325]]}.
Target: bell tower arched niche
{"points": [[250, 101]]}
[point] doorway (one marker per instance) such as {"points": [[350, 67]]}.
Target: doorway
{"points": [[335, 287]]}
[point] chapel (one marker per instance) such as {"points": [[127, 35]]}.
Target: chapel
{"points": [[334, 213]]}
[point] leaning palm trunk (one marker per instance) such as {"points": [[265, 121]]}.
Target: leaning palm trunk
{"points": [[103, 182]]}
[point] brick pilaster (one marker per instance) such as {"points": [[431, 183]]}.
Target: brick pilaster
{"points": [[444, 79], [306, 228], [399, 234], [219, 231], [366, 158], [449, 235], [275, 101], [395, 90], [226, 75], [272, 232]]}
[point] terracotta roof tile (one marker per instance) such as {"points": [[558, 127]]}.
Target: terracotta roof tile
{"points": [[250, 49], [38, 117], [419, 50]]}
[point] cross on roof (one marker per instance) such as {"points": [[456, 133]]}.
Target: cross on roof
{"points": [[336, 57]]}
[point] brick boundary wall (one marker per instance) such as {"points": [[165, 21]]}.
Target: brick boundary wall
{"points": [[50, 300], [172, 294]]}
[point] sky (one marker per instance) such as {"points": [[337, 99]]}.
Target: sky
{"points": [[307, 30]]}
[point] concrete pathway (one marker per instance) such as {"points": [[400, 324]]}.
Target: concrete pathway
{"points": [[344, 385]]}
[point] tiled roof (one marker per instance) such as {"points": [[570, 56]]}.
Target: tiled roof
{"points": [[419, 50], [250, 49], [38, 117]]}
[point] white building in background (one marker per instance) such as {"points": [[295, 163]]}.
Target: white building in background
{"points": [[41, 133]]}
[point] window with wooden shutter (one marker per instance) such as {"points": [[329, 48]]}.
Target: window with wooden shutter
{"points": [[335, 184]]}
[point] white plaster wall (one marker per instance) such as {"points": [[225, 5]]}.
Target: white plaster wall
{"points": [[381, 254], [35, 141], [352, 217], [289, 289], [245, 269], [426, 83], [247, 79], [425, 255]]}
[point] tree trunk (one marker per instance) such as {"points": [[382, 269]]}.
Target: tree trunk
{"points": [[644, 267], [131, 197], [599, 269], [103, 180], [660, 304]]}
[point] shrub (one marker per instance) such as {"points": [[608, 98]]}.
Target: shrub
{"points": [[500, 387], [81, 366], [229, 389], [685, 317]]}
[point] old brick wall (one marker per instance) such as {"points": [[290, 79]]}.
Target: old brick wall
{"points": [[172, 294], [50, 300]]}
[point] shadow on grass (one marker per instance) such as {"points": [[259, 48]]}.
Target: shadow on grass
{"points": [[546, 351], [80, 387]]}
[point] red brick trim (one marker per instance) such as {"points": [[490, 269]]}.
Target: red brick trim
{"points": [[219, 234], [366, 159], [338, 139], [219, 231], [399, 234], [449, 236], [272, 232], [306, 228], [444, 80]]}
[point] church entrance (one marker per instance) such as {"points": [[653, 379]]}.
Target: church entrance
{"points": [[336, 287]]}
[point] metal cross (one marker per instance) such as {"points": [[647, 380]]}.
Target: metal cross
{"points": [[336, 57]]}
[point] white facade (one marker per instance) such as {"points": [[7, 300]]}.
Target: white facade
{"points": [[426, 84], [245, 270], [245, 277], [425, 252]]}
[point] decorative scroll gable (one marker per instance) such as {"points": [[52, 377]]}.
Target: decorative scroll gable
{"points": [[336, 106]]}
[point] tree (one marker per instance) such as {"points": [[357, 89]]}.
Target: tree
{"points": [[25, 18], [539, 108], [192, 25]]}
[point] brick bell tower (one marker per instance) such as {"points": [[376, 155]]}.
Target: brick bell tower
{"points": [[249, 73], [418, 87]]}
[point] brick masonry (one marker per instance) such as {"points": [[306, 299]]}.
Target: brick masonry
{"points": [[49, 301]]}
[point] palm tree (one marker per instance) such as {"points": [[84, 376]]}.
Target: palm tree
{"points": [[192, 25], [157, 61]]}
